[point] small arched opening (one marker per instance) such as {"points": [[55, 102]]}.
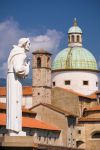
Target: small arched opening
{"points": [[84, 112], [78, 38], [80, 144], [95, 135], [38, 62], [72, 38]]}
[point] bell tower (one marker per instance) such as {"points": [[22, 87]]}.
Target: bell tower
{"points": [[41, 77]]}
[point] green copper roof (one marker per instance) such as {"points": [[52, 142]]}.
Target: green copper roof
{"points": [[74, 58]]}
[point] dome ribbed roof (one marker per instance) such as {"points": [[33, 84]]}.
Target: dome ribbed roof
{"points": [[74, 58], [75, 29]]}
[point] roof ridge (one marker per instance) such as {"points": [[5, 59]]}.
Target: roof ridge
{"points": [[64, 112], [74, 92]]}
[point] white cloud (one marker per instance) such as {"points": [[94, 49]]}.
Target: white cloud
{"points": [[10, 33], [49, 41]]}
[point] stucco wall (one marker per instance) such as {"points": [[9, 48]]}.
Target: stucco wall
{"points": [[76, 78], [41, 95], [65, 100], [90, 128], [54, 118], [27, 101], [43, 136]]}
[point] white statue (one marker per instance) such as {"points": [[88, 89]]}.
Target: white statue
{"points": [[18, 68]]}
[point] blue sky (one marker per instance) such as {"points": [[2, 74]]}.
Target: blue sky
{"points": [[46, 22]]}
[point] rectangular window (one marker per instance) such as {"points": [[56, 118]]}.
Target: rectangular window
{"points": [[96, 84], [67, 82], [85, 83], [79, 131], [54, 83]]}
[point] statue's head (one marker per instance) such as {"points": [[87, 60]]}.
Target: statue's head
{"points": [[24, 43]]}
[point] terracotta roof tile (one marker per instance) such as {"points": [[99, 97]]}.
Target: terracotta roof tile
{"points": [[41, 51], [2, 106], [25, 110], [2, 119], [2, 91], [30, 123], [94, 108], [33, 123], [92, 96], [27, 90]]}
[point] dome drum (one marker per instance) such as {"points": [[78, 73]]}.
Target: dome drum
{"points": [[83, 82]]}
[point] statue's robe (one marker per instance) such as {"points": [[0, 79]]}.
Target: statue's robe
{"points": [[17, 69]]}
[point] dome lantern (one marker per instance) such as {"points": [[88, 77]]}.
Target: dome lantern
{"points": [[74, 35]]}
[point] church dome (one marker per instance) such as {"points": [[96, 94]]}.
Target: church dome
{"points": [[74, 58], [74, 29]]}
